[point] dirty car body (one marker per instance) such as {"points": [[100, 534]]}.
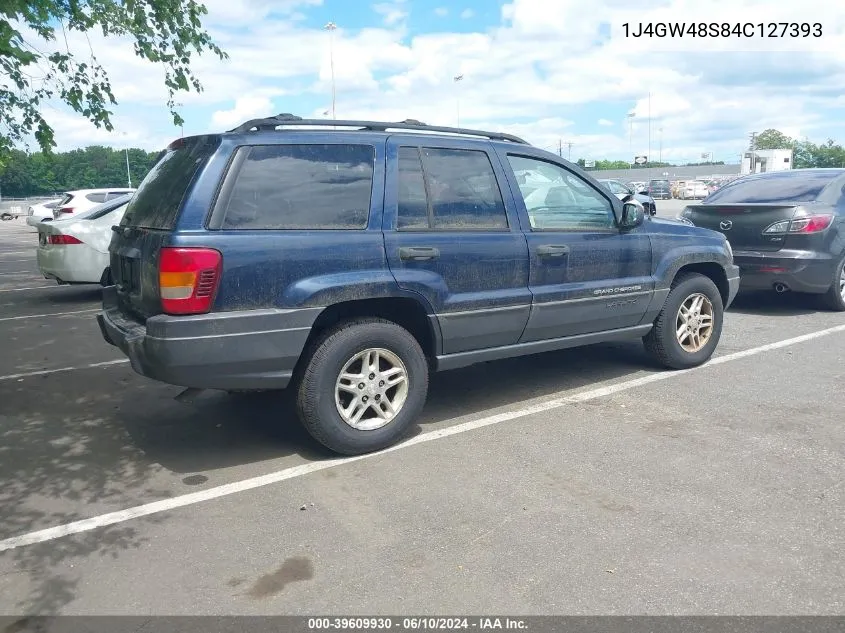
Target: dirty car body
{"points": [[271, 256]]}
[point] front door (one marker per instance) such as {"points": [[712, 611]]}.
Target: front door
{"points": [[586, 274], [453, 237]]}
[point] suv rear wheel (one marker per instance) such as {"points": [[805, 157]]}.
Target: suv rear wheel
{"points": [[363, 386], [687, 330]]}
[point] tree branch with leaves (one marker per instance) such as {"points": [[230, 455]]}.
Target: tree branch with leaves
{"points": [[37, 65]]}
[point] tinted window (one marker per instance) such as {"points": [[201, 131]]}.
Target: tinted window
{"points": [[791, 187], [463, 190], [413, 203], [96, 197], [158, 199], [557, 199], [659, 183], [302, 187]]}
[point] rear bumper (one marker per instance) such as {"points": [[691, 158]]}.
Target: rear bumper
{"points": [[799, 271], [734, 280], [246, 349]]}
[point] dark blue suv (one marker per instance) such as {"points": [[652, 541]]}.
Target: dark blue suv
{"points": [[347, 259]]}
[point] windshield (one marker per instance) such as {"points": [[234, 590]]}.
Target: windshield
{"points": [[783, 187], [101, 210]]}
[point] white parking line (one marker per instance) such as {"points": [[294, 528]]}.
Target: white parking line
{"points": [[58, 370], [32, 288], [181, 501], [51, 314]]}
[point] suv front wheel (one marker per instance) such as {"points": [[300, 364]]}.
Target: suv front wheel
{"points": [[363, 386], [687, 330]]}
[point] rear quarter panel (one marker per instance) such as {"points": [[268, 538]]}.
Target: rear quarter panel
{"points": [[675, 245], [292, 268]]}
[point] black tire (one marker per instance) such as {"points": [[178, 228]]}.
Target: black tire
{"points": [[316, 386], [661, 342], [833, 299]]}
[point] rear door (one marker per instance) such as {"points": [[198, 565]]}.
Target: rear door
{"points": [[148, 223], [586, 275], [452, 235]]}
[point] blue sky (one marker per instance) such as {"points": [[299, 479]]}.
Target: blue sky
{"points": [[553, 71]]}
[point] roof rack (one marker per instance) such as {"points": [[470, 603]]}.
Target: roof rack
{"points": [[287, 119]]}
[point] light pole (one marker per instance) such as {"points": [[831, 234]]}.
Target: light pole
{"points": [[648, 158], [457, 79], [631, 116], [660, 131], [331, 27], [128, 173]]}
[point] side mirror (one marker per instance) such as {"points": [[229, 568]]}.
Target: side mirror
{"points": [[633, 214]]}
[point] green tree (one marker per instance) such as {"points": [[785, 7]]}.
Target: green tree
{"points": [[164, 32], [773, 139], [39, 174]]}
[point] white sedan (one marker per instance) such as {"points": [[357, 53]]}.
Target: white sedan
{"points": [[76, 250], [695, 190], [37, 212]]}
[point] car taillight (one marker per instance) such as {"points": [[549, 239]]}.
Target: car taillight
{"points": [[803, 225], [63, 239], [62, 210], [188, 279]]}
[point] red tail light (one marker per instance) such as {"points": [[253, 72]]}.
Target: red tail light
{"points": [[62, 210], [810, 224], [63, 239], [188, 279]]}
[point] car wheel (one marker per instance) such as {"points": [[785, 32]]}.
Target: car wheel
{"points": [[6, 216], [363, 386], [834, 298], [688, 328]]}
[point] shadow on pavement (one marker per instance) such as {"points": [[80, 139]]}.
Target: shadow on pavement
{"points": [[765, 303], [79, 444]]}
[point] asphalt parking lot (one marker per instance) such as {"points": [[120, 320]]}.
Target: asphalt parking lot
{"points": [[576, 482]]}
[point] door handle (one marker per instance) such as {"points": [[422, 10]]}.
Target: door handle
{"points": [[418, 253], [552, 250]]}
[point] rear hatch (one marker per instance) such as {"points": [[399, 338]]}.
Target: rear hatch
{"points": [[148, 222], [743, 224]]}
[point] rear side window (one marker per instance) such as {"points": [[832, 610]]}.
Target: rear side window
{"points": [[448, 189], [159, 197], [792, 187], [302, 187], [99, 198]]}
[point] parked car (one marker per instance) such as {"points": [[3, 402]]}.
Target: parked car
{"points": [[74, 202], [694, 190], [346, 263], [75, 250], [41, 211], [622, 192], [787, 229], [658, 188]]}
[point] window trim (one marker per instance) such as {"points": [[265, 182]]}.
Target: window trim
{"points": [[520, 199], [430, 205], [233, 168]]}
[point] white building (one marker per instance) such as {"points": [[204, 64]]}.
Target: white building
{"points": [[763, 160]]}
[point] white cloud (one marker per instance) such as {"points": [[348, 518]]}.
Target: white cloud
{"points": [[245, 108], [466, 14], [392, 12], [441, 12], [513, 76]]}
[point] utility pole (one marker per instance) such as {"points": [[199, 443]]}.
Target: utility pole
{"points": [[560, 147], [661, 145], [648, 158], [331, 27], [631, 116], [569, 148], [457, 79]]}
